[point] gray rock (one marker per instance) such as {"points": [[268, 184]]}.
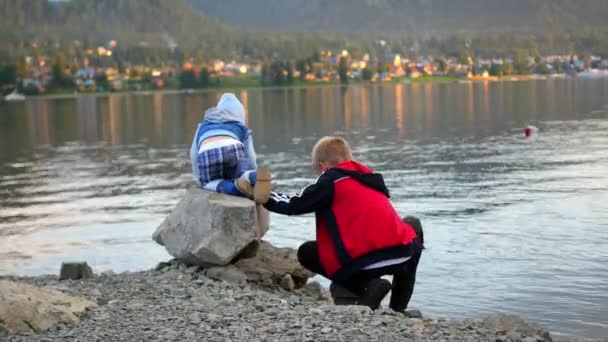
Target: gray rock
{"points": [[316, 290], [192, 269], [413, 313], [271, 264], [208, 228], [287, 283], [162, 265], [75, 270], [26, 309], [228, 273], [512, 324]]}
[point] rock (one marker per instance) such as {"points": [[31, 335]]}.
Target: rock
{"points": [[514, 326], [274, 263], [192, 269], [413, 313], [75, 270], [316, 290], [287, 283], [209, 229], [356, 310], [250, 251], [108, 274], [228, 273], [26, 309], [162, 265]]}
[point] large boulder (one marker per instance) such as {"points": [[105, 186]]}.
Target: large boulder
{"points": [[26, 309], [208, 228]]}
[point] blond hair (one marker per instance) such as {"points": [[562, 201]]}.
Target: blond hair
{"points": [[330, 150]]}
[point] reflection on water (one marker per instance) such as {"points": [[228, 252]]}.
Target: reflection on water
{"points": [[513, 225]]}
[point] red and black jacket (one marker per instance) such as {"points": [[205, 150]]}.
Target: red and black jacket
{"points": [[357, 225]]}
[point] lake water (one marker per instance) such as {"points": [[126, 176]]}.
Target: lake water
{"points": [[513, 225]]}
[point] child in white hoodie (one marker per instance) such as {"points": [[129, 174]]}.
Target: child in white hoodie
{"points": [[222, 154]]}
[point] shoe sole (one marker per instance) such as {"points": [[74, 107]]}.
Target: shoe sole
{"points": [[263, 185]]}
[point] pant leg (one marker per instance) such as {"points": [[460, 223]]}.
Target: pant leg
{"points": [[308, 256], [404, 280], [417, 225]]}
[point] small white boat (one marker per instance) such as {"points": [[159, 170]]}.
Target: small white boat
{"points": [[593, 73], [14, 96]]}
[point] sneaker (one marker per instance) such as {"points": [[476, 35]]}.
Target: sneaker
{"points": [[263, 186], [342, 296], [377, 289], [244, 187]]}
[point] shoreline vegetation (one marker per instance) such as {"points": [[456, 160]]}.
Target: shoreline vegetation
{"points": [[254, 84]]}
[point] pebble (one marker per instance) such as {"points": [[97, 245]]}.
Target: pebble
{"points": [[162, 306]]}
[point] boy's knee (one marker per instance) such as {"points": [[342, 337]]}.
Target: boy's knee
{"points": [[417, 225], [305, 251]]}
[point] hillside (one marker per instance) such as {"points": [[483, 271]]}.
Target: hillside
{"points": [[408, 15], [151, 24], [134, 21]]}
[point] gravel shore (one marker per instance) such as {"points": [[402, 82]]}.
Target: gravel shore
{"points": [[177, 304]]}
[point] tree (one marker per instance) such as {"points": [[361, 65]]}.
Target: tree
{"points": [[520, 62], [187, 79], [343, 70], [277, 72], [8, 75], [59, 66], [289, 68], [442, 65], [265, 76], [204, 78], [496, 70], [367, 74], [543, 69], [507, 69], [101, 81], [301, 66]]}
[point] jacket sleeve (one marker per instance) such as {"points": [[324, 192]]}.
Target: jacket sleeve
{"points": [[250, 152], [314, 197]]}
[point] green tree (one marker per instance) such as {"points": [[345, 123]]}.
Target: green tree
{"points": [[520, 62], [496, 70], [22, 68], [187, 79], [58, 69], [367, 74], [343, 70], [204, 78], [289, 69], [101, 81], [442, 65], [8, 75], [277, 72], [507, 69], [542, 69], [302, 68]]}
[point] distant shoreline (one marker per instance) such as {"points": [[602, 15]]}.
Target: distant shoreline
{"points": [[234, 87]]}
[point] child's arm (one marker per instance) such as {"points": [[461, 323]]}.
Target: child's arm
{"points": [[314, 197]]}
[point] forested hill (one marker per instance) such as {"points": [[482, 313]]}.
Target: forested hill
{"points": [[154, 31], [151, 21], [409, 15]]}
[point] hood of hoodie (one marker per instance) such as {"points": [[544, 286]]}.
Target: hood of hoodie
{"points": [[229, 108], [361, 174]]}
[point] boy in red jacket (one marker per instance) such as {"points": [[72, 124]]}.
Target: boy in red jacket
{"points": [[360, 236]]}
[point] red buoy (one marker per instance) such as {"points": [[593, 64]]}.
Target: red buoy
{"points": [[530, 131]]}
